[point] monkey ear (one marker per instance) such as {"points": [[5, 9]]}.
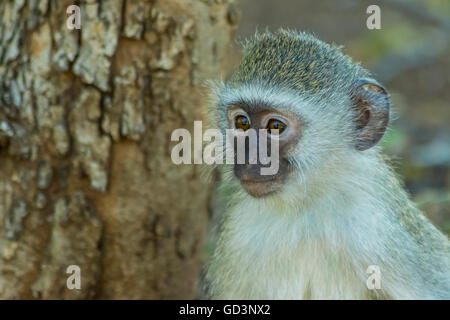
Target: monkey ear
{"points": [[371, 103]]}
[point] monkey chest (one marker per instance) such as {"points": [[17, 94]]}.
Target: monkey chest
{"points": [[274, 265]]}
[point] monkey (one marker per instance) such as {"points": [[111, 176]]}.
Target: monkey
{"points": [[335, 207]]}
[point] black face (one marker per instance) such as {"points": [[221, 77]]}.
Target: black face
{"points": [[282, 126]]}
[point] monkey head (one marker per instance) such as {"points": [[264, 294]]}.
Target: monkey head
{"points": [[325, 111]]}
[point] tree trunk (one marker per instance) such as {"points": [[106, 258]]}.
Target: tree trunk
{"points": [[86, 115]]}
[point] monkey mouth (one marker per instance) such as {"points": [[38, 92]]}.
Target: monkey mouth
{"points": [[258, 189]]}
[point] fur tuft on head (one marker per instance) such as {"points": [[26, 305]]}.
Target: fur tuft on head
{"points": [[297, 61]]}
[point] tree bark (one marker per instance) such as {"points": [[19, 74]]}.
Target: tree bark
{"points": [[86, 116]]}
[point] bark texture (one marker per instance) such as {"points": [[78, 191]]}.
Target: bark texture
{"points": [[85, 121]]}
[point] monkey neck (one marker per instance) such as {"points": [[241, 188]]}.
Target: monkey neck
{"points": [[290, 245], [363, 191]]}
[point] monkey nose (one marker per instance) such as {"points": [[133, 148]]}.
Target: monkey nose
{"points": [[252, 172]]}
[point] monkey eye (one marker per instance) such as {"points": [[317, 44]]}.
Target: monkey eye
{"points": [[242, 122], [275, 124]]}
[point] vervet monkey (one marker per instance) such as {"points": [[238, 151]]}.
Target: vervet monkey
{"points": [[334, 208]]}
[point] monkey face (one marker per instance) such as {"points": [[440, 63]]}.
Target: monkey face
{"points": [[281, 128], [328, 111]]}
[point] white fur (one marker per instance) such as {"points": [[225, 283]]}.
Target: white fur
{"points": [[316, 238]]}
